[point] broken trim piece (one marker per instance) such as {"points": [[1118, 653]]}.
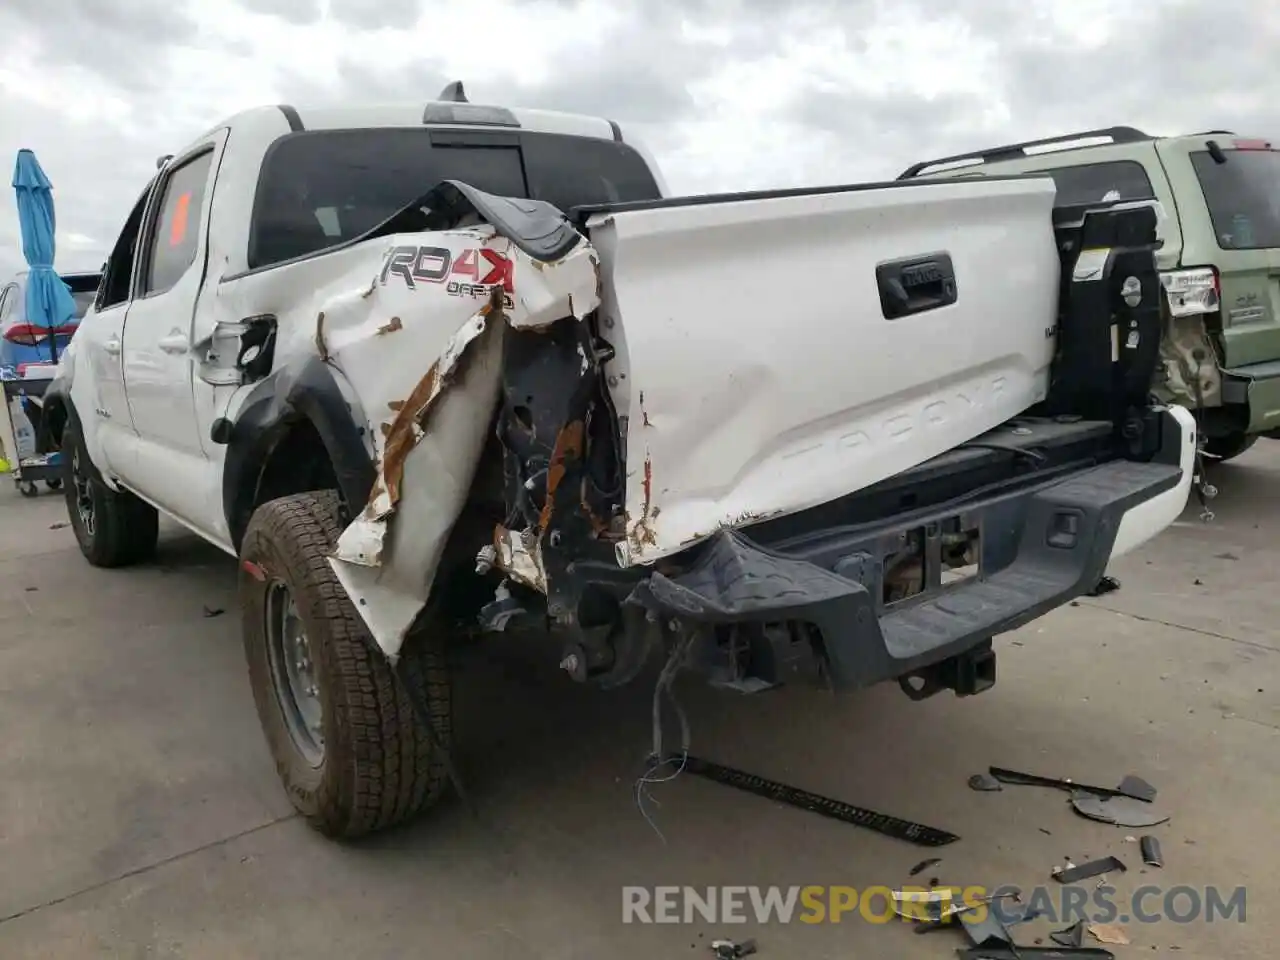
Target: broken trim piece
{"points": [[1150, 849], [1094, 868], [1120, 810], [882, 823], [1130, 786]]}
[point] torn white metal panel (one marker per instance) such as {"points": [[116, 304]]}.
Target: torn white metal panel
{"points": [[387, 558], [421, 346], [569, 287], [757, 369]]}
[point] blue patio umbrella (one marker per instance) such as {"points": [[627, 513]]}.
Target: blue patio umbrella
{"points": [[49, 302]]}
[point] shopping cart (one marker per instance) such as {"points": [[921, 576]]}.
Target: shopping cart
{"points": [[20, 418]]}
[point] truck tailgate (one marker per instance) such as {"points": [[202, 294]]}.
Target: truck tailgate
{"points": [[779, 351]]}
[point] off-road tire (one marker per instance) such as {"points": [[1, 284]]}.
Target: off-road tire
{"points": [[124, 530], [1228, 446], [381, 765]]}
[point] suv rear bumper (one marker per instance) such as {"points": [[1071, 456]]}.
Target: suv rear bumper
{"points": [[1040, 547], [1258, 387]]}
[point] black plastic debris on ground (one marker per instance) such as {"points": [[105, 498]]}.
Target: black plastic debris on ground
{"points": [[1094, 868], [1072, 936], [984, 782], [1007, 951], [986, 929], [1120, 811], [882, 823], [1150, 848], [1131, 786], [213, 611], [1136, 787], [1104, 586], [924, 865], [732, 949]]}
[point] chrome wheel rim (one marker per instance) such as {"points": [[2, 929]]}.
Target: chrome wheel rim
{"points": [[293, 673]]}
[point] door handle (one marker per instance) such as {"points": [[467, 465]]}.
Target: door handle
{"points": [[175, 343], [112, 346], [916, 285]]}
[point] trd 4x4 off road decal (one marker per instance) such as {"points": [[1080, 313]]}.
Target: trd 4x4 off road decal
{"points": [[485, 268]]}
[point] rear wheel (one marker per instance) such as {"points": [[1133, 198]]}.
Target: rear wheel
{"points": [[353, 754], [1229, 446], [113, 527]]}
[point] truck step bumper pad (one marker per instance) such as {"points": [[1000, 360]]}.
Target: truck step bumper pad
{"points": [[1062, 547]]}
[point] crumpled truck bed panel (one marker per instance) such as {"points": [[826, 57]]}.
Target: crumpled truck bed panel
{"points": [[420, 343]]}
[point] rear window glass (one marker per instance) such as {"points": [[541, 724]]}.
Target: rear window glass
{"points": [[1114, 181], [318, 189], [1243, 196], [83, 301], [83, 290]]}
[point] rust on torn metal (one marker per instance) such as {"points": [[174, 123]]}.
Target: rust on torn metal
{"points": [[568, 446], [410, 422]]}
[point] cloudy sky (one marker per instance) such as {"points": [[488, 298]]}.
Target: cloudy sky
{"points": [[730, 94]]}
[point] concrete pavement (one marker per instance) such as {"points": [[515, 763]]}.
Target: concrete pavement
{"points": [[140, 815]]}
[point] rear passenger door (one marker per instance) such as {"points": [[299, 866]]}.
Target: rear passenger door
{"points": [[168, 463], [100, 401]]}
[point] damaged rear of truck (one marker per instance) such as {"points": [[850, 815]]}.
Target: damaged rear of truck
{"points": [[843, 435], [733, 416]]}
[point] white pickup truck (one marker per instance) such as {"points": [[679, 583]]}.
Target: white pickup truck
{"points": [[450, 367]]}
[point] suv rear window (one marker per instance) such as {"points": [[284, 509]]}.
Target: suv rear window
{"points": [[83, 289], [1117, 180], [1243, 196], [321, 188]]}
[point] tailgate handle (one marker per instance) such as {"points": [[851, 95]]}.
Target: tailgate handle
{"points": [[916, 284]]}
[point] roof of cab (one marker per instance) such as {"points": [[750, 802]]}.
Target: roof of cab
{"points": [[450, 109]]}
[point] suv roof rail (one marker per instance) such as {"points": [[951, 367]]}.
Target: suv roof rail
{"points": [[1015, 150]]}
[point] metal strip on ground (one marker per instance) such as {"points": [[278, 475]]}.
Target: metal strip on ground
{"points": [[881, 823]]}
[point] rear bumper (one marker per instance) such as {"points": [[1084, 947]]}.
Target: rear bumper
{"points": [[1257, 386], [1040, 547]]}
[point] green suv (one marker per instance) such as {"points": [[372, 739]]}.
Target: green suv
{"points": [[1219, 195]]}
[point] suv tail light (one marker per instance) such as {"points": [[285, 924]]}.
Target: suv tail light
{"points": [[1192, 291], [26, 334], [30, 335]]}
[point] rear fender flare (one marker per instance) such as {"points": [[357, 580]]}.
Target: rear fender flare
{"points": [[308, 389]]}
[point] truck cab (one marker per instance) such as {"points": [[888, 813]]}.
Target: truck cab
{"points": [[1219, 254]]}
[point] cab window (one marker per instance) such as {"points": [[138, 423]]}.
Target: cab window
{"points": [[173, 241]]}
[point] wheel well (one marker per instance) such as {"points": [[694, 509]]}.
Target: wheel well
{"points": [[53, 421], [298, 461]]}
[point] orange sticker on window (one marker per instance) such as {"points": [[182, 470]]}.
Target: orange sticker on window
{"points": [[178, 229]]}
